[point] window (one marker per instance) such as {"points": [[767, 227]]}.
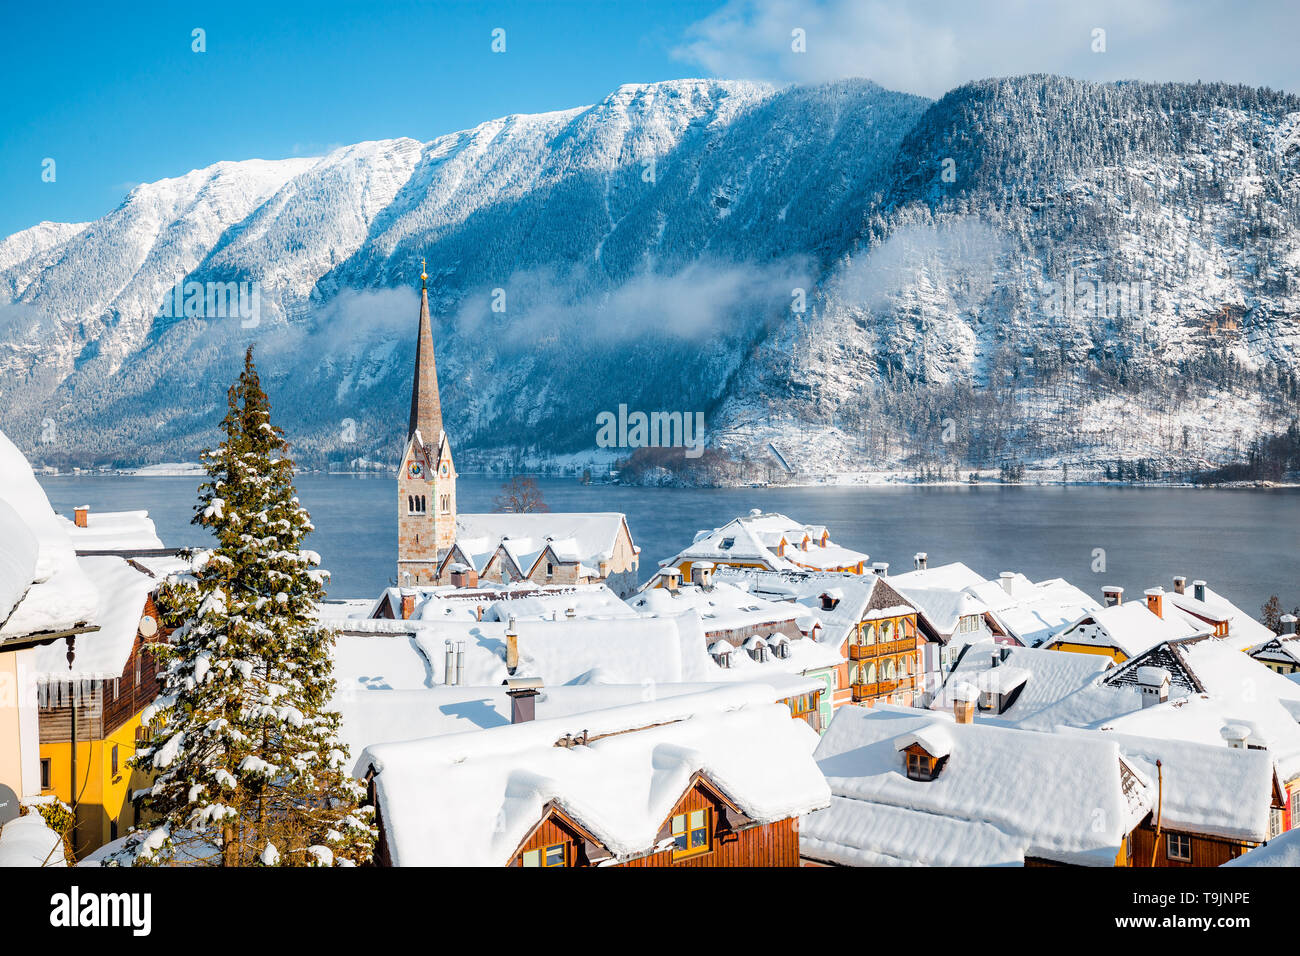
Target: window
{"points": [[550, 569], [1274, 822], [114, 760], [1179, 847], [869, 634], [920, 767], [45, 774], [691, 833], [1295, 808], [137, 674], [557, 854], [727, 544], [445, 503]]}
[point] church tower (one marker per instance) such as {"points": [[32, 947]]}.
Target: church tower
{"points": [[426, 481]]}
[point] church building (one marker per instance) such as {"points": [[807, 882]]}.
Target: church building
{"points": [[437, 545]]}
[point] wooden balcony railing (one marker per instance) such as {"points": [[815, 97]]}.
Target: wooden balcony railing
{"points": [[862, 652]]}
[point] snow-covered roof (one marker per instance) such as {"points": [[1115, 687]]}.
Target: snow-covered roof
{"points": [[1220, 791], [758, 537], [113, 531], [101, 655], [1212, 685], [1282, 850], [28, 841], [722, 606], [1131, 627], [1243, 629], [1044, 677], [860, 597], [1066, 798], [56, 594], [585, 537], [471, 799]]}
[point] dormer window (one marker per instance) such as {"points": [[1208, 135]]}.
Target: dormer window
{"points": [[727, 544], [920, 765]]}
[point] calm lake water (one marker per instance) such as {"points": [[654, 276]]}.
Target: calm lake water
{"points": [[1242, 541]]}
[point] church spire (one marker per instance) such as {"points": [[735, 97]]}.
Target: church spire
{"points": [[426, 408]]}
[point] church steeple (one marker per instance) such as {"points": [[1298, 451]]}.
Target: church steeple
{"points": [[426, 407]]}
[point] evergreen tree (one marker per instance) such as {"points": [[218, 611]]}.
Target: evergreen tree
{"points": [[247, 759]]}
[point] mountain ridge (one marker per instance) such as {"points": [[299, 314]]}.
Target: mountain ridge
{"points": [[647, 251]]}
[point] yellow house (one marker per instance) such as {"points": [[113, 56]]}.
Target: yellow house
{"points": [[100, 696]]}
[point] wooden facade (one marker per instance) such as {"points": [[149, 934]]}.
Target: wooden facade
{"points": [[732, 839], [1203, 850]]}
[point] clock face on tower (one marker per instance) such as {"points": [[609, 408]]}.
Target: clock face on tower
{"points": [[444, 469], [414, 469]]}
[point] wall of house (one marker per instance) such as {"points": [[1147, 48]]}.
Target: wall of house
{"points": [[1114, 653], [1206, 850], [19, 768]]}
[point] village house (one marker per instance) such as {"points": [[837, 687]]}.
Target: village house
{"points": [[85, 616], [870, 625], [913, 787], [1197, 690], [1122, 630], [770, 542], [712, 779], [1014, 682], [1280, 653], [1212, 803], [435, 542]]}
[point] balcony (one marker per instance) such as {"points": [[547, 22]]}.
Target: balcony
{"points": [[879, 689], [863, 652]]}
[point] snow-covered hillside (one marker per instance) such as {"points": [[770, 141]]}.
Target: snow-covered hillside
{"points": [[866, 278]]}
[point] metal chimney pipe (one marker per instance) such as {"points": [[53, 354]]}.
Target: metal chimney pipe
{"points": [[449, 664]]}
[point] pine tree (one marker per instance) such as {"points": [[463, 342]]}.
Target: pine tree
{"points": [[247, 759]]}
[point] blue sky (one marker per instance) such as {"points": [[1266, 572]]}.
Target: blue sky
{"points": [[117, 97]]}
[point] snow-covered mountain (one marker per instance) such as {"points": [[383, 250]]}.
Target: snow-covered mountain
{"points": [[866, 278]]}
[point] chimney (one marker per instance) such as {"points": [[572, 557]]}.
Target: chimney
{"points": [[672, 578], [81, 516], [463, 576], [449, 663], [460, 663], [702, 574], [963, 703], [1198, 590], [997, 659], [1237, 735], [1180, 584], [1288, 625], [880, 568], [523, 692], [408, 604], [571, 613], [1153, 684], [919, 560], [478, 613], [1155, 601], [512, 646], [1008, 580], [1112, 595]]}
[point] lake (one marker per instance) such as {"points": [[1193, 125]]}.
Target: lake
{"points": [[1242, 541]]}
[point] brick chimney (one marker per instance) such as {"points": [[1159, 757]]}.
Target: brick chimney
{"points": [[523, 692], [463, 576], [512, 646], [408, 604], [1180, 584], [1112, 595], [1155, 601], [81, 516]]}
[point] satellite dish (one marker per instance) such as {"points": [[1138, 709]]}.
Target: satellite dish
{"points": [[148, 626]]}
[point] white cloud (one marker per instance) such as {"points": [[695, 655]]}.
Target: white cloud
{"points": [[930, 47]]}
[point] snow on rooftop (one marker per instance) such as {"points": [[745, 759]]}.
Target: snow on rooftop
{"points": [[1283, 850], [113, 530], [470, 799], [1063, 798], [103, 654], [588, 537], [1131, 627], [58, 595]]}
